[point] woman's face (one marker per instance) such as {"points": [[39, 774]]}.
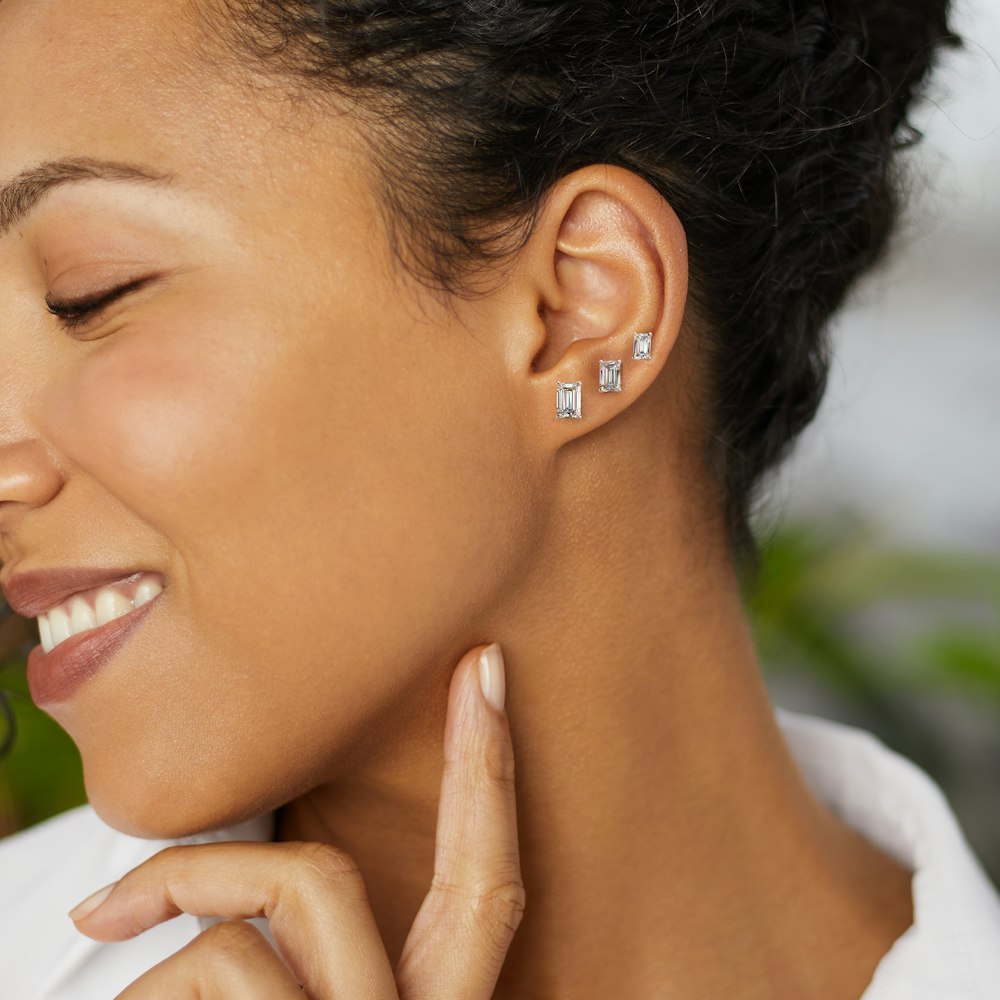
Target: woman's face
{"points": [[317, 458]]}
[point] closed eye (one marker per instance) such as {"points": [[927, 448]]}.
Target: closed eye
{"points": [[75, 313]]}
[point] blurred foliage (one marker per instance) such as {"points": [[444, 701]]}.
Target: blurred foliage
{"points": [[815, 607], [904, 643], [42, 776]]}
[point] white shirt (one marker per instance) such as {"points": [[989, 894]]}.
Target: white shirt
{"points": [[950, 952]]}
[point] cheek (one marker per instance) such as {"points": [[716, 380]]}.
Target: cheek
{"points": [[336, 530], [151, 417]]}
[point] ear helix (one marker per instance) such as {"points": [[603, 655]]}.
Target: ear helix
{"points": [[568, 395]]}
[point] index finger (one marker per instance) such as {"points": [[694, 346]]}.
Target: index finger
{"points": [[461, 934], [312, 894]]}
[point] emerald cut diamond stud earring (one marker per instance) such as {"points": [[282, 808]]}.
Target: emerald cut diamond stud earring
{"points": [[611, 376], [568, 400], [642, 347]]}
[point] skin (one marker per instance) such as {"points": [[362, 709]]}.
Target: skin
{"points": [[314, 895], [349, 481]]}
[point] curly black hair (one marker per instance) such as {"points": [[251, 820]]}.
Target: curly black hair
{"points": [[771, 127]]}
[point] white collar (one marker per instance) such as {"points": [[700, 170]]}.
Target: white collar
{"points": [[952, 949]]}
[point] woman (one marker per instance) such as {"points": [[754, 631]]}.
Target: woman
{"points": [[361, 355]]}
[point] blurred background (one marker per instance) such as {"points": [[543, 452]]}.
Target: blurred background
{"points": [[879, 604], [879, 599]]}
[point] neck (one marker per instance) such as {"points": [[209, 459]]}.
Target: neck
{"points": [[669, 845]]}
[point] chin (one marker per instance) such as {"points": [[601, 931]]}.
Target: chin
{"points": [[152, 812]]}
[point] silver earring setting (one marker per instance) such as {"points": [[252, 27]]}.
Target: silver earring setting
{"points": [[568, 396]]}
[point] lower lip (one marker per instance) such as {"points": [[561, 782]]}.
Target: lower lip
{"points": [[56, 675]]}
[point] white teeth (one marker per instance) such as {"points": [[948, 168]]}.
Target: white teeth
{"points": [[110, 604], [81, 615], [45, 632], [145, 592], [60, 623], [77, 614]]}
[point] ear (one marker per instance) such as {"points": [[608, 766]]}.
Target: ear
{"points": [[607, 259]]}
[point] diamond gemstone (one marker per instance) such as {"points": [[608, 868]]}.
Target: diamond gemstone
{"points": [[611, 376], [568, 400], [642, 346]]}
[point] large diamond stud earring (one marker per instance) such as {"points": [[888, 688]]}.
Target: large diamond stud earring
{"points": [[568, 400]]}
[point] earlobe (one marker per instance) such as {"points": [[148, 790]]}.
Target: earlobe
{"points": [[608, 284]]}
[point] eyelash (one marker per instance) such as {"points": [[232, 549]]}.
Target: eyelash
{"points": [[74, 314]]}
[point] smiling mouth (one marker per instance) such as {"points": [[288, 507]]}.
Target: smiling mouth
{"points": [[93, 608]]}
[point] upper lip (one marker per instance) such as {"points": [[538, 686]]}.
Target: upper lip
{"points": [[33, 592]]}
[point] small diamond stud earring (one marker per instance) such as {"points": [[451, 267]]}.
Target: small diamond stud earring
{"points": [[642, 346], [568, 400], [611, 376]]}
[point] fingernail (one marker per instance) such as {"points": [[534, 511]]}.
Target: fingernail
{"points": [[491, 675], [91, 903]]}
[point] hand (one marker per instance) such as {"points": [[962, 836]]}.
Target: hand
{"points": [[315, 899]]}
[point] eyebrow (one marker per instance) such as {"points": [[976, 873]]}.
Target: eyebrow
{"points": [[23, 192]]}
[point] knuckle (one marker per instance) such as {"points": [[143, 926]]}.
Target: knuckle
{"points": [[497, 764], [325, 859], [327, 866], [228, 943], [500, 907]]}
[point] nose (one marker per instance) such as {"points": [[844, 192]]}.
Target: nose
{"points": [[30, 475], [29, 478]]}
